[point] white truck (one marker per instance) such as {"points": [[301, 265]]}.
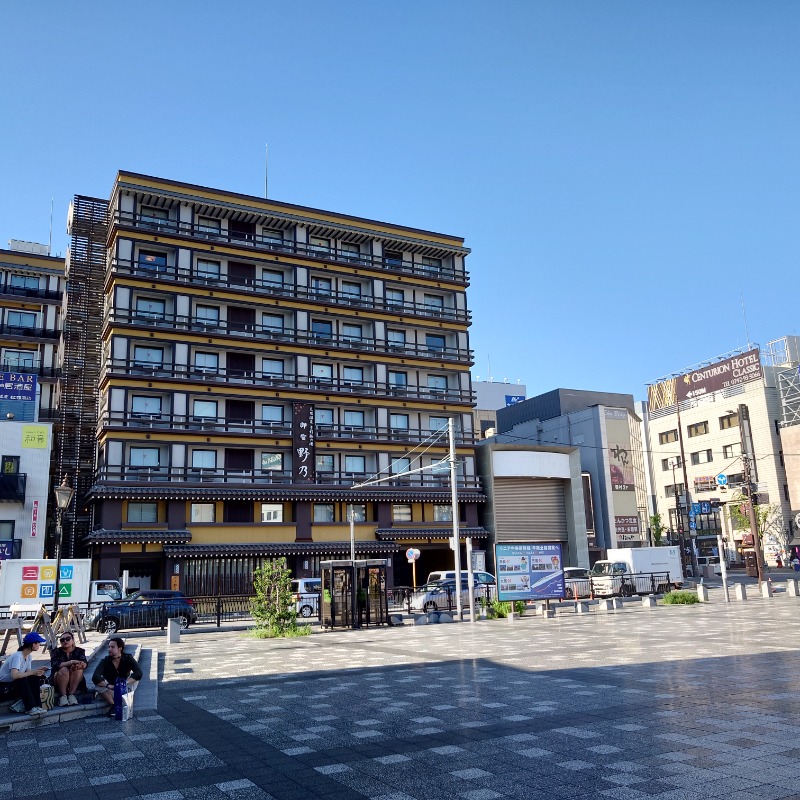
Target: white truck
{"points": [[637, 570], [32, 582]]}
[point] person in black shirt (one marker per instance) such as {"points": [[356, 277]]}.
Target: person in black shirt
{"points": [[67, 664], [117, 664]]}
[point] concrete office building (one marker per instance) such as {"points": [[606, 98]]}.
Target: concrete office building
{"points": [[606, 431], [256, 359], [491, 395], [695, 435]]}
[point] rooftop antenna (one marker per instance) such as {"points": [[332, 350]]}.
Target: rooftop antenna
{"points": [[744, 314], [50, 240], [266, 170], [489, 367]]}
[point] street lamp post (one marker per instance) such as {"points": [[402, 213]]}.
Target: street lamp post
{"points": [[63, 494], [678, 515]]}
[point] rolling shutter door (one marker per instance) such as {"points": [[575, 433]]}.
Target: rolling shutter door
{"points": [[529, 510]]}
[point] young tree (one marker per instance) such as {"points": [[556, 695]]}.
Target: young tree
{"points": [[656, 529], [273, 606], [769, 522]]}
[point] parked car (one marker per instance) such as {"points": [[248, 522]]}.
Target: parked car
{"points": [[441, 596], [481, 578], [148, 608], [306, 596], [577, 582]]}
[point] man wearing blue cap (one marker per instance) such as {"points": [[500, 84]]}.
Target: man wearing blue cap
{"points": [[20, 679]]}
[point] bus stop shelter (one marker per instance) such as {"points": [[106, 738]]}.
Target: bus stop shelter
{"points": [[353, 593]]}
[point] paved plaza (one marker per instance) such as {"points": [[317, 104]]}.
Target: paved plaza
{"points": [[669, 703]]}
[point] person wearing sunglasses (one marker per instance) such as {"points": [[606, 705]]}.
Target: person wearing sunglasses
{"points": [[67, 663]]}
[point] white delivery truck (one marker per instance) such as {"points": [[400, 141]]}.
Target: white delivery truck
{"points": [[30, 582], [637, 570]]}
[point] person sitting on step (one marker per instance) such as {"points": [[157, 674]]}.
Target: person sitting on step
{"points": [[117, 664], [20, 679], [67, 664]]}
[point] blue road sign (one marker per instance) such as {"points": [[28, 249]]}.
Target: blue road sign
{"points": [[722, 480], [705, 507], [692, 524], [696, 508]]}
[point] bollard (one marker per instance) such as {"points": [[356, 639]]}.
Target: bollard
{"points": [[766, 589], [581, 608], [607, 604], [648, 601], [791, 588], [702, 593], [173, 631], [741, 592], [547, 613], [616, 602]]}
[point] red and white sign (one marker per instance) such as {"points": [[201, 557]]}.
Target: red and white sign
{"points": [[35, 518], [30, 573]]}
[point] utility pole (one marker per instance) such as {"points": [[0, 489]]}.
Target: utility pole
{"points": [[747, 470]]}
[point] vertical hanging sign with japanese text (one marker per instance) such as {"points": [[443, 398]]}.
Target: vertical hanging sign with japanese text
{"points": [[303, 457]]}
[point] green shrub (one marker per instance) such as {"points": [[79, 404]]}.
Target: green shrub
{"points": [[502, 608], [275, 633], [273, 606], [683, 598]]}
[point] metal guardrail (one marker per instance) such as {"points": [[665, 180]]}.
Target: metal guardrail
{"points": [[620, 585]]}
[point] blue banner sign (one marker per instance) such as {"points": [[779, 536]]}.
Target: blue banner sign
{"points": [[6, 549], [17, 386], [527, 571], [513, 399]]}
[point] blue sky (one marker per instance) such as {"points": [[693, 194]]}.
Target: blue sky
{"points": [[623, 171]]}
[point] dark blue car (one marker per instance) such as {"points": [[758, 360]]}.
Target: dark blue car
{"points": [[148, 608]]}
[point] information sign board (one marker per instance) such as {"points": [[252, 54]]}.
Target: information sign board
{"points": [[529, 571]]}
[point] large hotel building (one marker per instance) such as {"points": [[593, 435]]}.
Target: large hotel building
{"points": [[256, 360]]}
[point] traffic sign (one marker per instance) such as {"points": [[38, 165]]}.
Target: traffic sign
{"points": [[722, 480], [696, 508], [705, 507], [692, 525], [797, 521], [412, 554]]}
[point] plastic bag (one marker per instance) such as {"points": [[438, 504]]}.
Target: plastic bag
{"points": [[123, 700]]}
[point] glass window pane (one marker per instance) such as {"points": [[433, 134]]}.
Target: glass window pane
{"points": [[323, 512], [271, 512], [355, 418], [144, 457], [204, 459], [398, 421], [272, 366], [203, 512], [143, 512], [354, 464], [272, 461], [324, 463], [323, 416], [401, 512], [272, 413], [205, 408]]}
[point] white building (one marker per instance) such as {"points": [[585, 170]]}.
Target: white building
{"points": [[694, 435]]}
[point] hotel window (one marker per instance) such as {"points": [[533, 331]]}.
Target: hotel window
{"points": [[208, 270], [729, 421], [437, 423], [673, 489], [148, 357], [431, 265], [272, 279], [668, 436], [204, 459], [396, 340], [321, 286], [321, 330], [443, 513], [204, 410], [354, 419], [353, 376], [400, 465], [272, 462], [322, 374], [697, 429], [437, 384], [153, 217], [273, 323], [150, 308], [401, 512], [203, 512], [209, 226], [14, 360], [350, 251], [272, 236], [152, 261], [358, 511], [323, 417], [206, 362], [272, 366], [324, 463], [352, 333], [144, 457], [398, 422], [272, 415], [23, 282], [434, 303], [395, 297], [394, 258], [272, 512], [398, 381], [20, 319], [323, 512], [435, 343], [142, 512], [702, 457], [318, 244], [147, 407], [207, 316], [666, 463], [355, 464], [350, 290], [732, 450]]}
